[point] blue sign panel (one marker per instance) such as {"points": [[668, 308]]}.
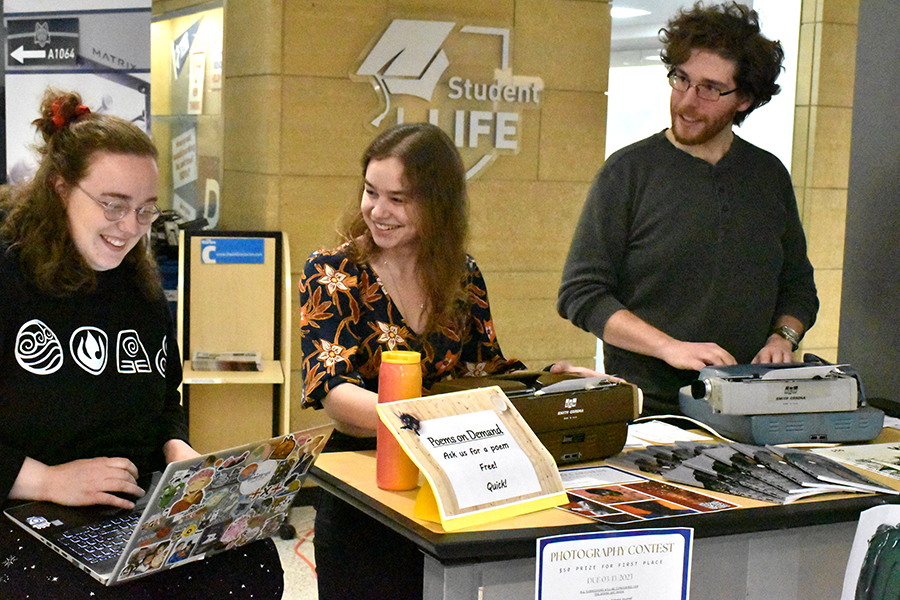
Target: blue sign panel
{"points": [[233, 251]]}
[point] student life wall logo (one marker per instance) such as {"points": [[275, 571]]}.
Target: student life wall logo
{"points": [[482, 116]]}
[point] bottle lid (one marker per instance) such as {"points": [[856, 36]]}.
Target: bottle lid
{"points": [[401, 357]]}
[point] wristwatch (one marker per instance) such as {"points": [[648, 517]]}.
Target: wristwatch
{"points": [[790, 335]]}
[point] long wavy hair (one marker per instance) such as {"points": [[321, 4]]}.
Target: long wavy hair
{"points": [[36, 223], [732, 31], [436, 177]]}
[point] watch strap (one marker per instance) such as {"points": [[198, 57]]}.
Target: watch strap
{"points": [[790, 334]]}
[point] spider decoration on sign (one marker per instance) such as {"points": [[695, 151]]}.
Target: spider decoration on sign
{"points": [[410, 422]]}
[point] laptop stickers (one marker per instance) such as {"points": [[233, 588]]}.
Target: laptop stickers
{"points": [[196, 508], [220, 502]]}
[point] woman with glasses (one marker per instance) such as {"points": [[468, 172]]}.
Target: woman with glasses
{"points": [[89, 365]]}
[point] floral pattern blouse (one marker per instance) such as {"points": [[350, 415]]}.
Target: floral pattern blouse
{"points": [[347, 320]]}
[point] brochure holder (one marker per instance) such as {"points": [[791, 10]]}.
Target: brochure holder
{"points": [[481, 460], [234, 296]]}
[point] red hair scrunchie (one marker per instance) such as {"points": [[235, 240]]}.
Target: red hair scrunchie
{"points": [[59, 119]]}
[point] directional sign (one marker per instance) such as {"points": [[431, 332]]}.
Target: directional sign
{"points": [[42, 42]]}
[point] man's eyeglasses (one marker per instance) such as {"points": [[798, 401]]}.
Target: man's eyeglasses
{"points": [[116, 210], [680, 83]]}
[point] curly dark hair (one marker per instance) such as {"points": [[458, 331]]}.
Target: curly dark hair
{"points": [[731, 31], [36, 223]]}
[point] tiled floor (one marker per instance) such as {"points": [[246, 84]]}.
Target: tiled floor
{"points": [[299, 576]]}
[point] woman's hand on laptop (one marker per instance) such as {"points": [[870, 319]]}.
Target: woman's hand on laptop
{"points": [[79, 483]]}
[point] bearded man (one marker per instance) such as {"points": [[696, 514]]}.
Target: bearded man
{"points": [[689, 251]]}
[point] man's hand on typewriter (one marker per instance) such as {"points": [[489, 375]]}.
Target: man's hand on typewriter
{"points": [[776, 350], [695, 355]]}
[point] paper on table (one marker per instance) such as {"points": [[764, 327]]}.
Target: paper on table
{"points": [[659, 432], [588, 477], [892, 422]]}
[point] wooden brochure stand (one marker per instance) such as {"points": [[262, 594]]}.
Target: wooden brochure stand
{"points": [[232, 301], [481, 461]]}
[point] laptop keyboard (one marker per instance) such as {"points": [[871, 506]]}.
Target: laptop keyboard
{"points": [[101, 541]]}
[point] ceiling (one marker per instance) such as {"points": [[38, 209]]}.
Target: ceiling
{"points": [[634, 39]]}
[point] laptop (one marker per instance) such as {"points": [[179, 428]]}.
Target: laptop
{"points": [[194, 509]]}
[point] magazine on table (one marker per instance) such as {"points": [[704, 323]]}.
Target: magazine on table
{"points": [[612, 496], [767, 473], [883, 459]]}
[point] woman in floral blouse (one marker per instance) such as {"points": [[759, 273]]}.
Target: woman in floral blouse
{"points": [[400, 281]]}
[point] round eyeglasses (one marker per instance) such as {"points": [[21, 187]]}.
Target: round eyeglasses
{"points": [[116, 210], [680, 83]]}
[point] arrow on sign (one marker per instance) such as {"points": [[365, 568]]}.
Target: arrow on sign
{"points": [[20, 54]]}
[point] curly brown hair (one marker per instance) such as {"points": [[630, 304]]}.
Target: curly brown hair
{"points": [[36, 224], [436, 176], [732, 31]]}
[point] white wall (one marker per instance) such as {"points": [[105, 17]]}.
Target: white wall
{"points": [[639, 96]]}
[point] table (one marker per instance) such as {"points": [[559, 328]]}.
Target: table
{"points": [[759, 552]]}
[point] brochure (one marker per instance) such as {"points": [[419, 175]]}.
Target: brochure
{"points": [[612, 496], [766, 473], [226, 361], [883, 459]]}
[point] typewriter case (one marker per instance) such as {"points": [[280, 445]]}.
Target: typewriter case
{"points": [[574, 425]]}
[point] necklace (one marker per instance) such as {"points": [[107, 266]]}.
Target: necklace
{"points": [[413, 313]]}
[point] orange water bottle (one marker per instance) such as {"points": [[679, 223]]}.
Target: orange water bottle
{"points": [[399, 378]]}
